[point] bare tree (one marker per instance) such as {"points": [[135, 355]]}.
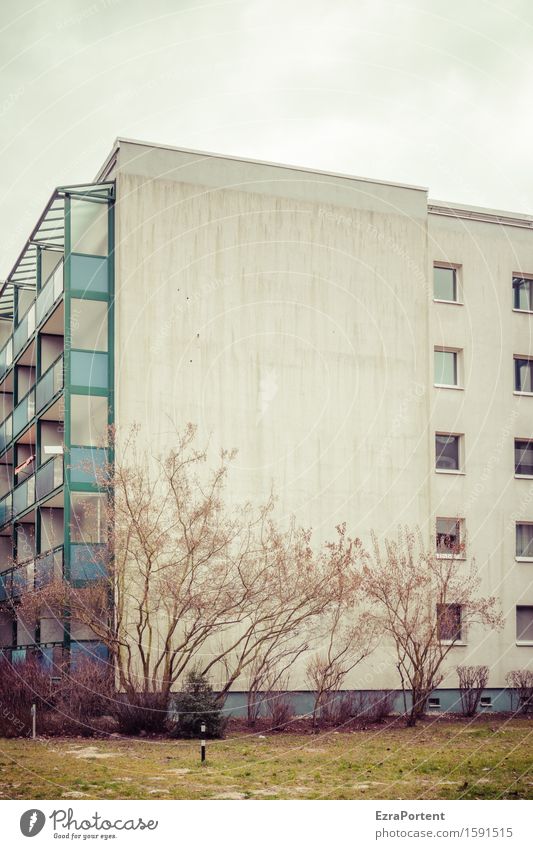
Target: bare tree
{"points": [[186, 580], [350, 636], [425, 605], [520, 682], [472, 682]]}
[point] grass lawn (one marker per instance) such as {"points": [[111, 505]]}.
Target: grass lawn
{"points": [[436, 760]]}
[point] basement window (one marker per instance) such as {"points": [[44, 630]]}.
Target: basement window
{"points": [[434, 703], [485, 702]]}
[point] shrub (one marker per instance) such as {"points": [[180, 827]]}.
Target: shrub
{"points": [[83, 695], [520, 681], [197, 705], [366, 706], [279, 710], [141, 712], [472, 682], [22, 684]]}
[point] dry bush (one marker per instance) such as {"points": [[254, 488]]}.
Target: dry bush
{"points": [[84, 695], [141, 712], [370, 707], [279, 710], [520, 681], [472, 682], [22, 684]]}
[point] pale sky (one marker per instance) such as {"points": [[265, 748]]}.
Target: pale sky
{"points": [[432, 92]]}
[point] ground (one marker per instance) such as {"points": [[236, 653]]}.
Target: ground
{"points": [[435, 760]]}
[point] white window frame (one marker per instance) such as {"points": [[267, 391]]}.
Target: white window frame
{"points": [[516, 357], [521, 276], [460, 470], [458, 268], [515, 440], [519, 557], [443, 349], [522, 642], [442, 555]]}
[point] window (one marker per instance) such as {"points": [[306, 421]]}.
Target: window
{"points": [[524, 539], [523, 457], [88, 223], [485, 702], [448, 536], [447, 451], [446, 367], [434, 703], [88, 325], [88, 420], [449, 622], [88, 518], [523, 374], [445, 283], [524, 624], [523, 293]]}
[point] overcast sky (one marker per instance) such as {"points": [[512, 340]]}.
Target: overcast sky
{"points": [[433, 93]]}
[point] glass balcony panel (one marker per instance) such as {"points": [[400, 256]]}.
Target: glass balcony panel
{"points": [[9, 352], [24, 412], [48, 477], [89, 369], [49, 567], [6, 511], [20, 581], [88, 274], [31, 320], [3, 363], [6, 432], [5, 585], [20, 498], [50, 384], [20, 336], [87, 465], [58, 281], [45, 299], [88, 561]]}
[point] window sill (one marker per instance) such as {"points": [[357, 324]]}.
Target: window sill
{"points": [[527, 394], [451, 472], [448, 386], [524, 477], [441, 556], [527, 312], [455, 643], [455, 303], [524, 643], [524, 559]]}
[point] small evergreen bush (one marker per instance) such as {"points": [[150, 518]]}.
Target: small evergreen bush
{"points": [[197, 705]]}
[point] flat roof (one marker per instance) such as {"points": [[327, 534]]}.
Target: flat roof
{"points": [[250, 161]]}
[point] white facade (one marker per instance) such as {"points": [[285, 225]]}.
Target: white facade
{"points": [[291, 315]]}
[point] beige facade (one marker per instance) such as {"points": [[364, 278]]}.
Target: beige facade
{"points": [[291, 314]]}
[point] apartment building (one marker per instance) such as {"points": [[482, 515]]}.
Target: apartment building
{"points": [[367, 351]]}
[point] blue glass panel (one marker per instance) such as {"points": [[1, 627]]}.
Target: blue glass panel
{"points": [[86, 464], [5, 585], [88, 274], [18, 655], [89, 369], [87, 562], [88, 651]]}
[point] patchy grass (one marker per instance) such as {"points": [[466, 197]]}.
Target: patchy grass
{"points": [[436, 760]]}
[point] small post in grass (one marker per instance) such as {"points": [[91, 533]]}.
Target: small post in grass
{"points": [[33, 721], [202, 743]]}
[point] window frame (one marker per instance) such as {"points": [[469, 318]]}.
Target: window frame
{"points": [[519, 475], [447, 641], [524, 358], [518, 641], [457, 269], [460, 454], [443, 349], [521, 558], [442, 555], [522, 277]]}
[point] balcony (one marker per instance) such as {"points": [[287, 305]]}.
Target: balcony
{"points": [[24, 412], [48, 477], [35, 574], [49, 384], [50, 293], [6, 509], [24, 330], [6, 432], [23, 496], [6, 357]]}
